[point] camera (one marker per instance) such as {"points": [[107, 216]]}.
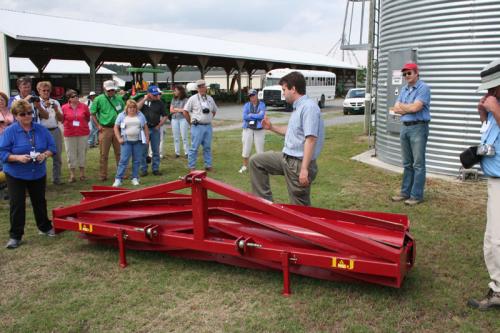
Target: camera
{"points": [[486, 150], [34, 99], [206, 110], [34, 155], [195, 122]]}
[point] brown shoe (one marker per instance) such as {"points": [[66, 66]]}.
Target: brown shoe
{"points": [[398, 198], [491, 300], [413, 202]]}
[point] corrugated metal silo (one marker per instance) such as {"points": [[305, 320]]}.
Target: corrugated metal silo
{"points": [[451, 41]]}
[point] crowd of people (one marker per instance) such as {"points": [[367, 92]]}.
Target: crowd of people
{"points": [[30, 134]]}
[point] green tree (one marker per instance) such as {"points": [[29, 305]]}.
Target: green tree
{"points": [[361, 77]]}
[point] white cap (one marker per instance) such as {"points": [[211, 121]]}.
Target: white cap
{"points": [[109, 85], [92, 93], [490, 75]]}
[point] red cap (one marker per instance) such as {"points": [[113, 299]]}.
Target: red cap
{"points": [[410, 66]]}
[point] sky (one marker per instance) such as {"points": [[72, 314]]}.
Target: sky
{"points": [[311, 26]]}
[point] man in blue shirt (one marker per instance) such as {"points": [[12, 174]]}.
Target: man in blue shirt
{"points": [[304, 137], [413, 106]]}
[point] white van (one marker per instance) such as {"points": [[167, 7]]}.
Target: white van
{"points": [[354, 102]]}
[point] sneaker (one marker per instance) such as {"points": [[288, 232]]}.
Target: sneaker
{"points": [[135, 181], [13, 243], [413, 202], [177, 156], [243, 169], [50, 233], [117, 183], [144, 173], [400, 197], [491, 300], [157, 173]]}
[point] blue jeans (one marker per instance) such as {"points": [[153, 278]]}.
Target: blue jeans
{"points": [[180, 129], [200, 135], [129, 149], [154, 141], [94, 131], [413, 142]]}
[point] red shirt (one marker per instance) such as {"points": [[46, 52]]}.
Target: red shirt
{"points": [[76, 122]]}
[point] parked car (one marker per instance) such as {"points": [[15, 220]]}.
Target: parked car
{"points": [[354, 102]]}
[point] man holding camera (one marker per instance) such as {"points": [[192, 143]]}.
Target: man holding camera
{"points": [[25, 92], [489, 113], [53, 109], [413, 106], [199, 111]]}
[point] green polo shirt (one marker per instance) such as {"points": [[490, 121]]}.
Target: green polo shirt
{"points": [[105, 111]]}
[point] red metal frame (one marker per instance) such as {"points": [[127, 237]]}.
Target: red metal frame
{"points": [[245, 230]]}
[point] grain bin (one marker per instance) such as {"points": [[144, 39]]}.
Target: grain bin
{"points": [[451, 41]]}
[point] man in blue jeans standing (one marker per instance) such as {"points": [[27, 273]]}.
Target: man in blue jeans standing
{"points": [[199, 111], [154, 110], [413, 106]]}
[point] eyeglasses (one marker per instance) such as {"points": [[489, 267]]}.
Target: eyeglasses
{"points": [[407, 73], [24, 114]]}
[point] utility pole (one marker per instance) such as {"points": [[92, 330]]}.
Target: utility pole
{"points": [[369, 69]]}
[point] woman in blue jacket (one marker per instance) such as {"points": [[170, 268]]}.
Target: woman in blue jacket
{"points": [[24, 148], [253, 113]]}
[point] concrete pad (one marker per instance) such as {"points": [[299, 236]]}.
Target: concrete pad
{"points": [[367, 158]]}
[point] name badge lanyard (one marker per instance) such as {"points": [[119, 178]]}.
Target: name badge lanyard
{"points": [[75, 116], [255, 108], [203, 102], [31, 138]]}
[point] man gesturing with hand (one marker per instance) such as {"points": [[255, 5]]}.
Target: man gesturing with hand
{"points": [[304, 137]]}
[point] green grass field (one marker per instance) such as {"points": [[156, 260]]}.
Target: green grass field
{"points": [[67, 285]]}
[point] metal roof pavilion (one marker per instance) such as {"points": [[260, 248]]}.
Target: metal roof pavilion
{"points": [[24, 65], [42, 38]]}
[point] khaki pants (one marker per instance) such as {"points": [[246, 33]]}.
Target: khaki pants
{"points": [[106, 139], [76, 151], [248, 137], [57, 158], [492, 234], [274, 163]]}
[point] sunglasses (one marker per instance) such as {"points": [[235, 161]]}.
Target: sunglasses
{"points": [[408, 73], [24, 114]]}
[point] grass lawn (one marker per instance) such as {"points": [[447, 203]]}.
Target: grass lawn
{"points": [[66, 284]]}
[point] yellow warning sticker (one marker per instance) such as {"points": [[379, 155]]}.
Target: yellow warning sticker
{"points": [[85, 227], [342, 263]]}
